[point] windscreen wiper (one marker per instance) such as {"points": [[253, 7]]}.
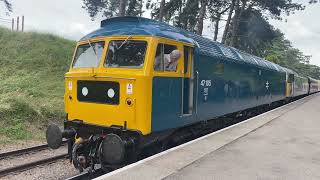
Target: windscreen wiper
{"points": [[124, 42], [94, 50]]}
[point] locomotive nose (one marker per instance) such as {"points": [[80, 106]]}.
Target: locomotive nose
{"points": [[54, 135]]}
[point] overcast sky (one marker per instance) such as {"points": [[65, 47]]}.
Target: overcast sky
{"points": [[66, 18]]}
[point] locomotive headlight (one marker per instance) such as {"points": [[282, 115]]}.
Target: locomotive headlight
{"points": [[111, 93], [85, 91]]}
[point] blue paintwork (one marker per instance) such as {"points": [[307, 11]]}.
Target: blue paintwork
{"points": [[240, 86], [166, 104]]}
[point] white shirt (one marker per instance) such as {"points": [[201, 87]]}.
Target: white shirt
{"points": [[168, 64]]}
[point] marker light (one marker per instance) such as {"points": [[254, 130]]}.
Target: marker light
{"points": [[85, 91], [111, 93]]}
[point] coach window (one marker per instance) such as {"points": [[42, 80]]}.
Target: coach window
{"points": [[167, 58]]}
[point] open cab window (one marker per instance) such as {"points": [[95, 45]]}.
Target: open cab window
{"points": [[88, 55], [126, 54], [167, 58]]}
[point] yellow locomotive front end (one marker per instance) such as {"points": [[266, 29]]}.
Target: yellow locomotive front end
{"points": [[106, 100], [114, 84], [108, 83]]}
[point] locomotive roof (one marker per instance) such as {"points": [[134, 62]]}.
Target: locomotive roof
{"points": [[143, 26]]}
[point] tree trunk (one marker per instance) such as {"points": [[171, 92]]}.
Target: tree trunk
{"points": [[202, 14], [236, 24], [122, 8], [235, 21], [226, 29], [216, 28], [141, 6], [161, 12]]}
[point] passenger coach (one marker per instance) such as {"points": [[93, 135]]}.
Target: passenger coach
{"points": [[136, 82]]}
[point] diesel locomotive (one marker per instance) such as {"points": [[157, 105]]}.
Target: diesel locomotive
{"points": [[126, 89]]}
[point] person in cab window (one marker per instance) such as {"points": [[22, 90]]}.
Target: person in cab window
{"points": [[170, 61]]}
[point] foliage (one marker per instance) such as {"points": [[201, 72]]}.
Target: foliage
{"points": [[32, 68], [283, 53], [187, 18], [255, 33], [8, 5], [112, 8]]}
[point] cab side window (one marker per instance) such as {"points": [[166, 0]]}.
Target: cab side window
{"points": [[167, 58]]}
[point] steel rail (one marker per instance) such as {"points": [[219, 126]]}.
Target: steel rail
{"points": [[25, 150], [31, 165]]}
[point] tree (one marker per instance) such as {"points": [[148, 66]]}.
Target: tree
{"points": [[216, 9], [165, 11], [112, 8], [187, 16], [255, 34], [202, 15], [282, 53], [161, 11], [313, 1], [269, 8], [134, 8], [228, 22], [8, 5]]}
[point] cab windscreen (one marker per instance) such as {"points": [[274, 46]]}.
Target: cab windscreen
{"points": [[88, 55], [126, 54]]}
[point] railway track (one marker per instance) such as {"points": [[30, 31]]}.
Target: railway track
{"points": [[28, 165]]}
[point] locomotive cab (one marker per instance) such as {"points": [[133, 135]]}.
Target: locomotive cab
{"points": [[107, 79], [111, 80]]}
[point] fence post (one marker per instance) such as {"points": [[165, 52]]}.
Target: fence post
{"points": [[22, 28], [12, 24], [18, 23]]}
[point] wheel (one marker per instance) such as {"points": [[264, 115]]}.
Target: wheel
{"points": [[77, 159]]}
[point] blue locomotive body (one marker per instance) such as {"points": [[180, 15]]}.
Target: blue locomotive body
{"points": [[226, 81]]}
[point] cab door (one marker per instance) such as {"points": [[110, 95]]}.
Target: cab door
{"points": [[187, 82], [168, 84]]}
